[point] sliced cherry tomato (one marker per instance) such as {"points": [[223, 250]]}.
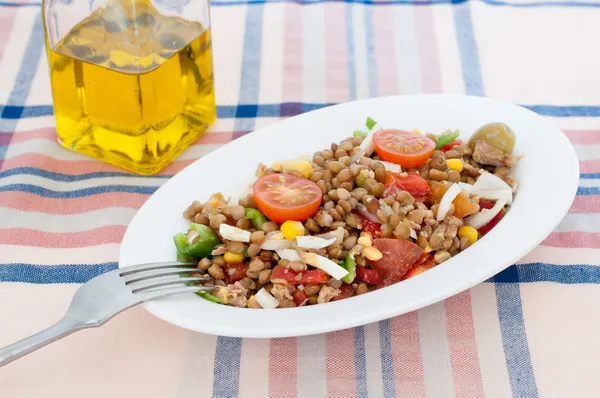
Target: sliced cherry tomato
{"points": [[235, 272], [346, 290], [304, 277], [487, 204], [283, 197], [399, 256], [406, 148], [299, 297], [423, 265], [370, 276], [412, 183], [456, 142], [369, 226]]}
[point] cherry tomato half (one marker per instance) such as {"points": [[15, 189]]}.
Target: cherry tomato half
{"points": [[406, 148], [283, 197]]}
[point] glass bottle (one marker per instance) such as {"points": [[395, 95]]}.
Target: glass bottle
{"points": [[132, 80]]}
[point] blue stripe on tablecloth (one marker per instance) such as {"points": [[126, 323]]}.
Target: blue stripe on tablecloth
{"points": [[350, 56], [467, 47], [275, 110], [226, 382], [525, 273], [220, 3], [514, 337], [250, 79], [589, 176], [144, 190], [22, 85], [387, 363], [370, 53], [49, 274], [360, 362], [78, 193]]}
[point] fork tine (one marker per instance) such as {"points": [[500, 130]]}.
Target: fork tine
{"points": [[171, 280], [152, 266], [170, 291], [140, 276]]}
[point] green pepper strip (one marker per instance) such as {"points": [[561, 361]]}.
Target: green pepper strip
{"points": [[209, 297], [257, 218], [445, 139], [350, 266], [370, 123], [358, 133], [202, 247]]}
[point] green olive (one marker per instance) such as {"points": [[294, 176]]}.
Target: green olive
{"points": [[498, 135]]}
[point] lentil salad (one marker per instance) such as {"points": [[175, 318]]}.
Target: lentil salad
{"points": [[375, 209]]}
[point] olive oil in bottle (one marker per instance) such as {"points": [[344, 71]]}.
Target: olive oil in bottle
{"points": [[131, 86]]}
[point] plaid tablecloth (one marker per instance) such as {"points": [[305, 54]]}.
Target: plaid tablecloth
{"points": [[533, 330]]}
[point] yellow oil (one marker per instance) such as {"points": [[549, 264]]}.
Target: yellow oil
{"points": [[131, 86]]}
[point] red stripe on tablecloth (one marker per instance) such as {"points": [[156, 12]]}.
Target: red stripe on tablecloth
{"points": [[573, 239], [6, 23], [590, 166], [583, 137], [385, 51], [335, 53], [78, 167], [31, 202], [429, 62], [463, 349], [406, 354], [341, 371], [33, 238], [283, 358], [293, 58], [586, 204]]}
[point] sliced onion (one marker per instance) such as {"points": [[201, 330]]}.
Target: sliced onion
{"points": [[365, 213], [277, 244], [265, 299], [485, 215], [338, 234], [413, 234], [315, 260], [392, 167], [313, 242], [234, 233], [491, 182], [446, 201], [367, 146], [493, 194]]}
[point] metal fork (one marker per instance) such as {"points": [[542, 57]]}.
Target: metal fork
{"points": [[106, 295]]}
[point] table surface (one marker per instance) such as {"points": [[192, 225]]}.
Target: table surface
{"points": [[531, 331]]}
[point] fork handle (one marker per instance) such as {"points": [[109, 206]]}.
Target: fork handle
{"points": [[62, 328]]}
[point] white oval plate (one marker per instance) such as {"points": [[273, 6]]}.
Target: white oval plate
{"points": [[548, 178]]}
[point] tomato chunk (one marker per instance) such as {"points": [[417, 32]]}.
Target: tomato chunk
{"points": [[399, 256], [235, 272], [456, 142], [420, 267], [406, 148], [412, 183], [304, 277], [299, 297], [283, 197], [369, 226], [346, 290], [487, 204], [463, 206], [367, 275]]}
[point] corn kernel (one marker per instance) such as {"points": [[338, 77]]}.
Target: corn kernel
{"points": [[277, 167], [372, 253], [468, 232], [233, 258], [301, 166], [454, 164], [291, 229]]}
